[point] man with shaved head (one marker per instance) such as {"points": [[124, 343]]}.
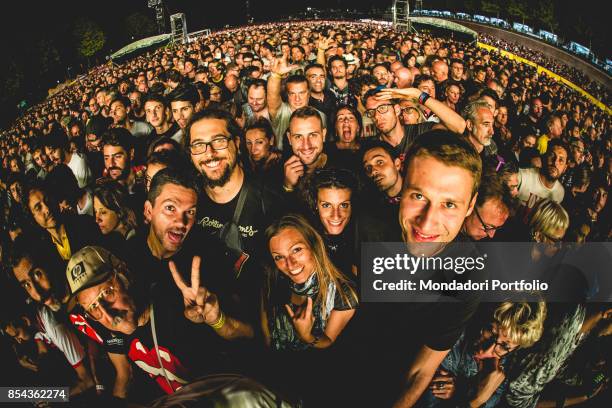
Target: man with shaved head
{"points": [[403, 78], [439, 72]]}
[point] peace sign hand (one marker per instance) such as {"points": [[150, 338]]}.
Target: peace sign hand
{"points": [[201, 305], [303, 321]]}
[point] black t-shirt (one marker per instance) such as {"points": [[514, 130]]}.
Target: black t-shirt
{"points": [[170, 132], [343, 158], [112, 342], [261, 206], [410, 133], [186, 350], [327, 106]]}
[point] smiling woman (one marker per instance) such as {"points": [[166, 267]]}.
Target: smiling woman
{"points": [[306, 302]]}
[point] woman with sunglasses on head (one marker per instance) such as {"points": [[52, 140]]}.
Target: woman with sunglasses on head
{"points": [[306, 301], [331, 197], [473, 373]]}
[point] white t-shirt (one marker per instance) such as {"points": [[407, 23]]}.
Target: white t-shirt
{"points": [[78, 165], [532, 190], [55, 333], [88, 207]]}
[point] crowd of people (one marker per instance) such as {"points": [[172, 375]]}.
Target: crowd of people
{"points": [[186, 226], [595, 88]]}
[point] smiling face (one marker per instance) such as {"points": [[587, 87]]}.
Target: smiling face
{"points": [[306, 137], [257, 98], [436, 200], [292, 255], [316, 79], [215, 165], [334, 207], [171, 216]]}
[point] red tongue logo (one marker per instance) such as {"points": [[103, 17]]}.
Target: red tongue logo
{"points": [[147, 360]]}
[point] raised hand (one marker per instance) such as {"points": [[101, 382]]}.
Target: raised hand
{"points": [[397, 93], [280, 66], [324, 43], [201, 305], [294, 169], [490, 382], [303, 320]]}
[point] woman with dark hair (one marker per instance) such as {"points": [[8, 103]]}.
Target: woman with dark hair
{"points": [[347, 125], [330, 194], [112, 211], [306, 301]]}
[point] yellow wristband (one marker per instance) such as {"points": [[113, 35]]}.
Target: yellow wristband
{"points": [[219, 323], [277, 75]]}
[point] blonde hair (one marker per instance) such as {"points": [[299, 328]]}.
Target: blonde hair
{"points": [[547, 217], [324, 268], [522, 322]]}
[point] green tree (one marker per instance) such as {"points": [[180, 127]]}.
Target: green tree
{"points": [[471, 6], [545, 14], [89, 36], [47, 57], [491, 7], [12, 80], [138, 25], [518, 9]]}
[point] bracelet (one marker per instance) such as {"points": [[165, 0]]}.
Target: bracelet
{"points": [[100, 387], [287, 189], [276, 75], [423, 97], [219, 323]]}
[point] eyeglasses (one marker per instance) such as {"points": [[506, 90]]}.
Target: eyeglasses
{"points": [[485, 227], [500, 349], [94, 310], [382, 109], [219, 143], [409, 109]]}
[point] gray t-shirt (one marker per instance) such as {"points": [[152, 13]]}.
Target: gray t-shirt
{"points": [[141, 129]]}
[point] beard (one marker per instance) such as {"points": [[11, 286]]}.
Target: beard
{"points": [[221, 181]]}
